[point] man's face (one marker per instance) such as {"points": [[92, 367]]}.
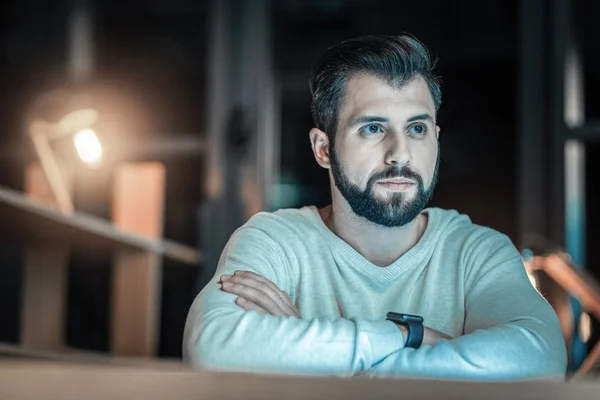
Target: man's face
{"points": [[386, 154]]}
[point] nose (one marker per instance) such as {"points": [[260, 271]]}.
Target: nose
{"points": [[397, 151]]}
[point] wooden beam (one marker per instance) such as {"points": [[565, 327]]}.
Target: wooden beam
{"points": [[135, 307], [44, 290], [43, 303], [138, 205]]}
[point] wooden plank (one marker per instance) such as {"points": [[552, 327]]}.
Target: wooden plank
{"points": [[135, 307], [138, 198], [44, 288], [138, 206], [28, 222], [43, 303], [26, 381]]}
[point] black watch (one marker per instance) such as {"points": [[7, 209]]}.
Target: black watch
{"points": [[414, 323]]}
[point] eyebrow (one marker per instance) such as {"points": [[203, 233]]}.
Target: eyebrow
{"points": [[365, 119], [421, 117]]}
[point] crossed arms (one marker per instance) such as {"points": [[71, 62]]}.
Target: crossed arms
{"points": [[253, 325]]}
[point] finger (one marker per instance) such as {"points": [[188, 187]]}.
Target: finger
{"points": [[249, 292], [290, 307], [250, 306], [267, 282], [257, 282], [289, 300], [260, 298], [262, 283], [224, 277]]}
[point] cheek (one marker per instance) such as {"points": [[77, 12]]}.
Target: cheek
{"points": [[357, 171], [357, 165], [425, 162]]}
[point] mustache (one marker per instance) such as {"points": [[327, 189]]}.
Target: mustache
{"points": [[395, 172]]}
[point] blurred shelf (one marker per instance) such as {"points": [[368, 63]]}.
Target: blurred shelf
{"points": [[16, 352], [29, 222], [167, 146]]}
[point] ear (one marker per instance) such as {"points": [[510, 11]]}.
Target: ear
{"points": [[437, 132], [320, 147]]}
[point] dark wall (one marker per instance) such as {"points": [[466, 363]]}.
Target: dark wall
{"points": [[476, 45]]}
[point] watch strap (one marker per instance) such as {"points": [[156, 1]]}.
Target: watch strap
{"points": [[414, 325], [415, 334]]}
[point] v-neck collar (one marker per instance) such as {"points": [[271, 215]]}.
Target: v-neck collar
{"points": [[409, 259]]}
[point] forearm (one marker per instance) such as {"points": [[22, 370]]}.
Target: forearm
{"points": [[510, 330], [229, 338], [522, 350]]}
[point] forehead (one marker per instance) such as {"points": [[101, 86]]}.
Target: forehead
{"points": [[369, 95]]}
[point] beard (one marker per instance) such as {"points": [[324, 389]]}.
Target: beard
{"points": [[395, 210]]}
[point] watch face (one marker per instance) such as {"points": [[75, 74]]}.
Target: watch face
{"points": [[404, 317], [409, 317]]}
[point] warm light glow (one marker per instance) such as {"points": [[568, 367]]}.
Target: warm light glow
{"points": [[585, 327], [78, 120], [532, 278], [528, 260], [88, 147]]}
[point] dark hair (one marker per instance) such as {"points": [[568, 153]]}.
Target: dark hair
{"points": [[394, 59]]}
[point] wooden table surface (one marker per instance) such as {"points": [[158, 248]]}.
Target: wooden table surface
{"points": [[33, 380]]}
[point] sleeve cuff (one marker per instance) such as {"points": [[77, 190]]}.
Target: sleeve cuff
{"points": [[379, 339]]}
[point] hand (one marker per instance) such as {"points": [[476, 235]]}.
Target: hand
{"points": [[258, 294]]}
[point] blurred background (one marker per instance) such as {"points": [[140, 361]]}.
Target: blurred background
{"points": [[217, 93]]}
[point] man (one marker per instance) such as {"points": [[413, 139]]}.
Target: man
{"points": [[309, 290]]}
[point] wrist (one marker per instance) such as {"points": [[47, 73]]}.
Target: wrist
{"points": [[404, 332], [413, 327]]}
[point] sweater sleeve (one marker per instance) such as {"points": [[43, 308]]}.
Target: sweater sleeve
{"points": [[511, 332], [219, 335]]}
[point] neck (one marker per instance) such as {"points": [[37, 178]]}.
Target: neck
{"points": [[378, 244]]}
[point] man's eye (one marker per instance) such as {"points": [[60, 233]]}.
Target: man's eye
{"points": [[371, 129], [418, 129]]}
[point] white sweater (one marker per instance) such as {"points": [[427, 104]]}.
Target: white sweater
{"points": [[465, 280]]}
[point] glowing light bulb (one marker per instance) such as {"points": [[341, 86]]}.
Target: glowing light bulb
{"points": [[88, 147]]}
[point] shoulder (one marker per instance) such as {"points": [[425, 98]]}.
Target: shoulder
{"points": [[472, 240], [281, 222], [264, 243], [278, 227]]}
